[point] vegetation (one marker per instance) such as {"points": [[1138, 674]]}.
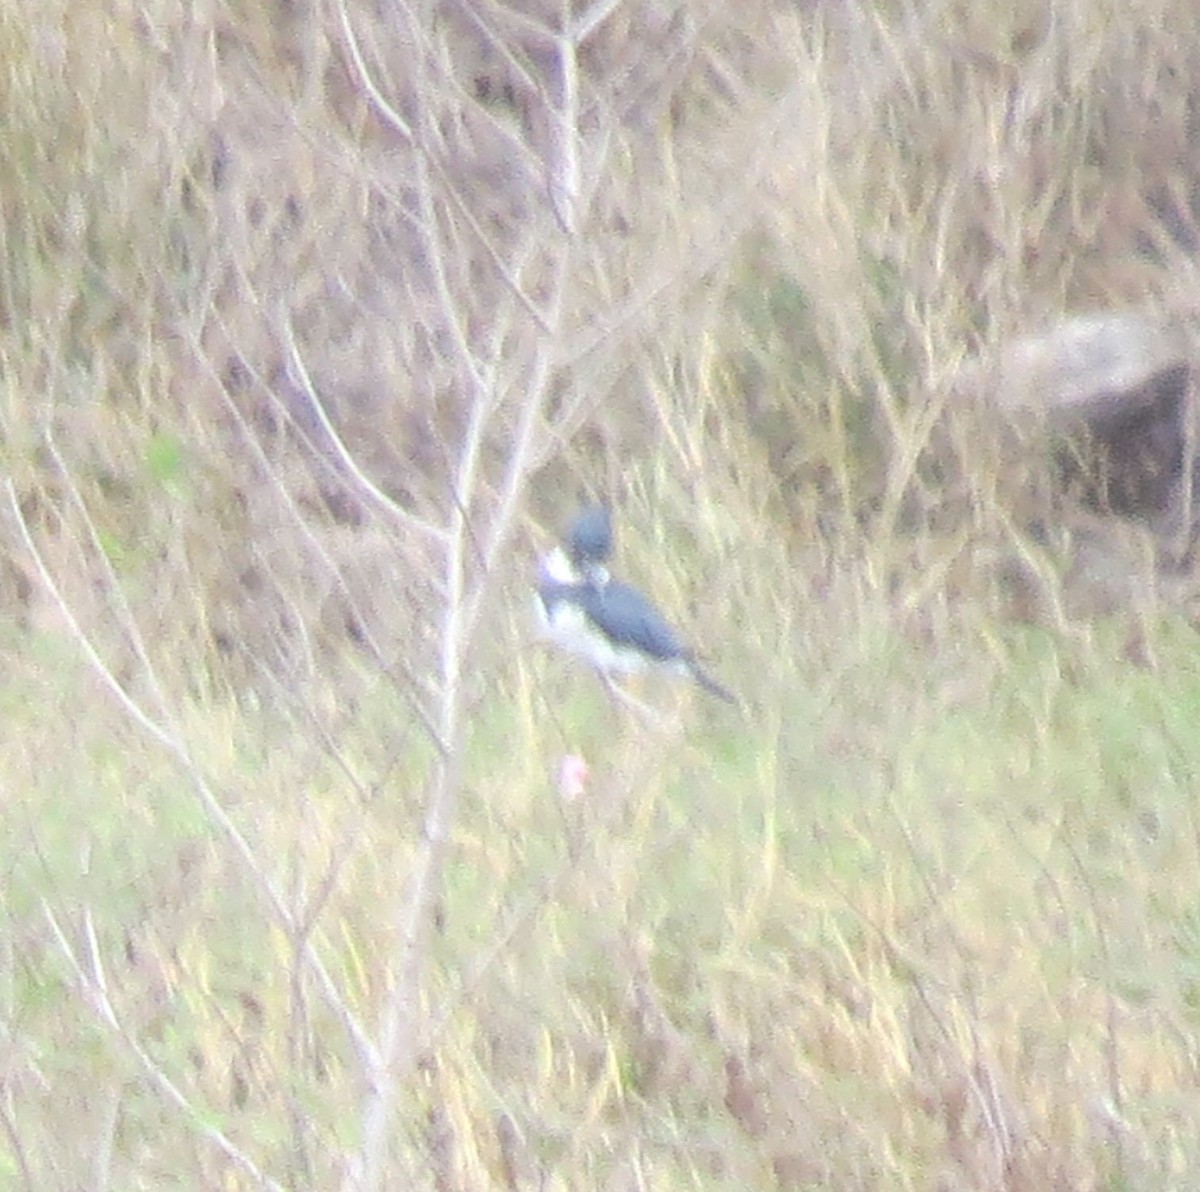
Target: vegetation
{"points": [[315, 320]]}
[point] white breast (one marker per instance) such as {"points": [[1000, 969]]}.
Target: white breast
{"points": [[564, 624]]}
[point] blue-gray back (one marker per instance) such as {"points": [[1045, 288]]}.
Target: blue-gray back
{"points": [[623, 614]]}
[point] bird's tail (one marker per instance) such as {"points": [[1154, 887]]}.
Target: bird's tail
{"points": [[711, 685]]}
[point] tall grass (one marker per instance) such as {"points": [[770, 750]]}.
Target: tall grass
{"points": [[280, 287]]}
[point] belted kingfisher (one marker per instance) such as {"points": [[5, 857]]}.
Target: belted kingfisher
{"points": [[610, 624]]}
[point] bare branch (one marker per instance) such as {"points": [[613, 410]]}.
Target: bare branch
{"points": [[587, 23], [95, 990], [413, 689], [564, 185], [16, 1146], [302, 377], [385, 109], [178, 751]]}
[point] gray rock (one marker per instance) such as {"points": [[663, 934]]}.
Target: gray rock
{"points": [[1087, 370]]}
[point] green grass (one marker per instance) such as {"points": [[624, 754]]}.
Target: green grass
{"points": [[1008, 901]]}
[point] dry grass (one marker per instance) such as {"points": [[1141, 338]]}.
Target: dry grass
{"points": [[312, 323]]}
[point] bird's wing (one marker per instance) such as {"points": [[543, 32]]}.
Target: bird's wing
{"points": [[627, 618]]}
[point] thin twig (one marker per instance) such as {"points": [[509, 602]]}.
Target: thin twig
{"points": [[385, 109], [178, 751], [304, 380], [16, 1146], [95, 991]]}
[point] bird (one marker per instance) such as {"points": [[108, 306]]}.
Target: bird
{"points": [[611, 624]]}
